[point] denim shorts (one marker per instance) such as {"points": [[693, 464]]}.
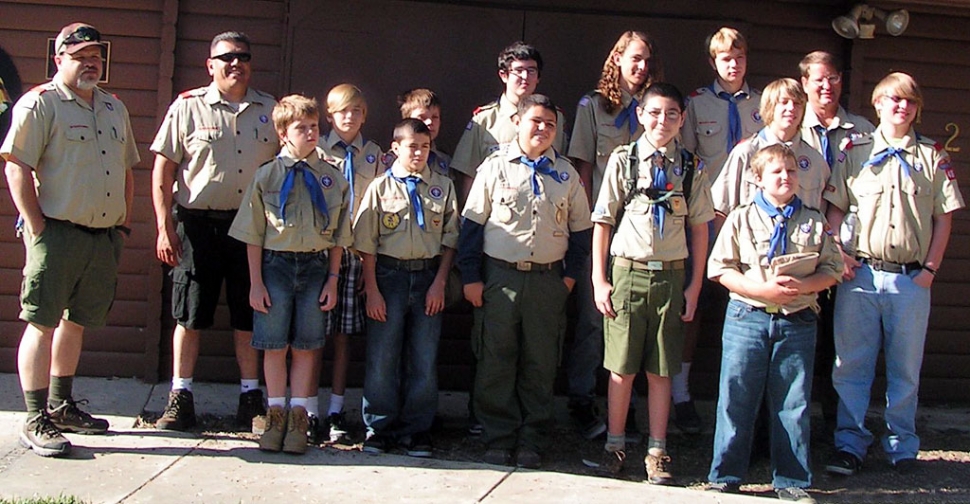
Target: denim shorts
{"points": [[294, 281]]}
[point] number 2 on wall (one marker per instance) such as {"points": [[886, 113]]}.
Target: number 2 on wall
{"points": [[956, 133]]}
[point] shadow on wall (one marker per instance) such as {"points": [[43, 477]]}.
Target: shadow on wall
{"points": [[11, 81]]}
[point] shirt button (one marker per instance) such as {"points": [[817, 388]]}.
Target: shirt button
{"points": [[237, 152], [109, 195], [99, 132], [103, 214], [535, 212], [107, 172], [82, 138], [103, 153], [240, 171], [237, 132], [239, 191]]}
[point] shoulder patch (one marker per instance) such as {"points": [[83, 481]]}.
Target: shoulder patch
{"points": [[487, 106], [42, 88], [697, 92], [192, 92], [584, 101]]}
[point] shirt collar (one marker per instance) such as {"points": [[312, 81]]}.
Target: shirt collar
{"points": [[313, 159], [842, 121], [213, 96], [744, 89], [881, 143], [332, 139], [646, 149], [514, 152], [401, 172]]}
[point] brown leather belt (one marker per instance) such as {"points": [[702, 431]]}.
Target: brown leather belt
{"points": [[524, 265], [891, 267], [408, 264], [649, 265]]}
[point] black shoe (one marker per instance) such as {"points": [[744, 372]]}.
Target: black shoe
{"points": [[69, 418], [420, 445], [906, 466], [528, 458], [844, 463], [587, 420], [41, 435], [686, 418], [377, 444], [724, 487], [179, 413], [794, 494], [250, 406], [314, 431], [336, 424], [497, 456]]}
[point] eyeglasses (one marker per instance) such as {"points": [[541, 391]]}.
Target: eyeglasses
{"points": [[228, 57], [832, 80], [524, 72], [898, 99], [81, 34]]}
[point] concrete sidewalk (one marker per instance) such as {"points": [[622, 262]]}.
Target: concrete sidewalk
{"points": [[138, 465]]}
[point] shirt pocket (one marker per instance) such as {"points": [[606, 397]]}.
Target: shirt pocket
{"points": [[433, 215], [609, 138], [79, 134], [394, 216], [706, 133]]}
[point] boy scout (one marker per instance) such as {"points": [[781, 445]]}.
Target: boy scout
{"points": [[360, 162], [77, 140], [525, 213], [653, 194], [904, 190], [407, 232], [294, 222], [519, 67], [424, 105], [770, 326], [208, 148], [605, 119]]}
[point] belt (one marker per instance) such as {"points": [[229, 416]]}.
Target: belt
{"points": [[524, 265], [890, 267], [221, 215], [86, 229], [408, 264], [649, 265], [296, 255]]}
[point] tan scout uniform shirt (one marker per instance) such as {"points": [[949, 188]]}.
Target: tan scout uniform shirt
{"points": [[520, 226], [437, 160], [736, 184], [743, 245], [367, 162], [80, 153], [259, 220], [490, 127], [706, 128], [843, 127], [595, 134], [386, 223], [636, 238], [216, 147], [895, 210]]}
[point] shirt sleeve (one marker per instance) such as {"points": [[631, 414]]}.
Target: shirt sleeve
{"points": [[582, 145], [168, 140], [700, 207], [449, 235], [726, 255], [946, 193], [688, 134], [368, 221], [478, 206], [344, 235], [29, 130], [249, 226], [466, 158], [612, 194], [726, 188]]}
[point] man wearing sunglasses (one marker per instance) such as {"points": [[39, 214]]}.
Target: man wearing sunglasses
{"points": [[208, 147], [69, 154]]}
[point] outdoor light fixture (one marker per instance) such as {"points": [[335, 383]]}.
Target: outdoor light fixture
{"points": [[849, 25]]}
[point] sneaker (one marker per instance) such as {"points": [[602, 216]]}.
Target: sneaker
{"points": [[314, 430], [377, 444], [250, 406], [41, 435], [844, 463], [656, 468], [587, 420], [724, 487], [179, 413], [686, 418], [272, 438], [69, 418], [611, 462], [632, 434], [475, 428], [794, 494], [337, 425], [497, 456], [528, 458], [420, 445], [906, 466], [297, 423]]}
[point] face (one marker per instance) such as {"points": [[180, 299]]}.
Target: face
{"points": [[232, 74], [787, 114], [82, 69], [823, 86], [536, 130], [412, 151], [895, 110], [634, 64], [731, 66], [429, 116], [779, 180], [348, 121], [301, 136], [521, 79], [661, 118]]}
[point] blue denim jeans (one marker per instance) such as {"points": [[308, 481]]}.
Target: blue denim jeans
{"points": [[762, 354], [876, 311], [401, 376], [294, 281]]}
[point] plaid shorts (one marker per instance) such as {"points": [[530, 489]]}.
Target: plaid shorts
{"points": [[348, 316]]}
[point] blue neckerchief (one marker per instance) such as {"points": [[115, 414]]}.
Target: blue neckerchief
{"points": [[734, 116], [890, 151], [779, 237], [541, 165], [349, 171], [659, 182], [628, 115], [823, 139], [412, 181], [311, 184]]}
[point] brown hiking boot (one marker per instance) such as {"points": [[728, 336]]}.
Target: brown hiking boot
{"points": [[69, 418], [296, 427], [179, 413], [41, 435], [656, 467], [272, 438]]}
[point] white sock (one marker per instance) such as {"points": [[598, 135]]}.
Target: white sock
{"points": [[297, 401], [182, 383], [678, 385], [247, 385], [277, 401], [336, 404], [312, 406]]}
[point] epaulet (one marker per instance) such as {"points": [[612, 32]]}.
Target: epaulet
{"points": [[565, 159], [624, 149], [863, 139], [264, 94], [42, 88], [485, 107], [192, 92], [929, 141], [697, 92]]}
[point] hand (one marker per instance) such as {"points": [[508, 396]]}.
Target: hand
{"points": [[168, 246], [328, 296], [924, 279], [848, 270], [434, 300], [35, 229], [570, 283], [777, 291], [691, 294], [259, 298], [473, 293], [376, 309], [602, 290]]}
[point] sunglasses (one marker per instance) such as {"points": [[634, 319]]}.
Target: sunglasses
{"points": [[228, 57], [80, 35]]}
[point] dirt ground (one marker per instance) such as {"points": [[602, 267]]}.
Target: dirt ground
{"points": [[943, 475]]}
